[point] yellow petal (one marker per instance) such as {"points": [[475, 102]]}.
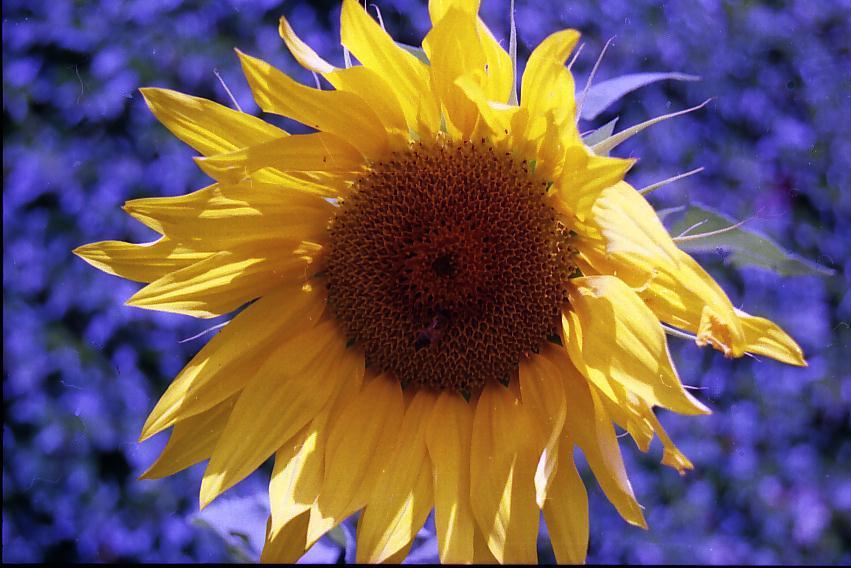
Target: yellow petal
{"points": [[500, 73], [208, 127], [448, 440], [373, 87], [566, 509], [191, 441], [547, 85], [402, 496], [288, 544], [438, 9], [481, 552], [584, 176], [337, 112], [589, 425], [220, 283], [291, 387], [454, 50], [613, 336], [219, 218], [502, 474], [764, 337], [406, 75], [299, 464], [544, 401], [302, 52], [321, 151], [671, 456], [225, 365], [359, 438], [626, 239], [142, 263], [630, 225]]}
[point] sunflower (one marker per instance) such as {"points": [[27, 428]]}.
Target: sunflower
{"points": [[443, 293]]}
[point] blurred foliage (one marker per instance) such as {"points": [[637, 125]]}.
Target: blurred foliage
{"points": [[772, 481]]}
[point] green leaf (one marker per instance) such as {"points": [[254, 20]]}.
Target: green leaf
{"points": [[602, 95], [707, 230]]}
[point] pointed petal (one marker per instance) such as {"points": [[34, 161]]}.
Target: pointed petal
{"points": [[402, 496], [225, 365], [502, 472], [547, 85], [191, 441], [143, 262], [321, 151], [590, 427], [337, 112], [613, 336], [630, 225], [448, 438], [288, 391], [407, 75], [371, 86], [288, 544], [584, 176], [302, 52], [359, 437], [221, 218], [220, 283], [566, 510], [764, 337], [299, 464], [454, 50], [208, 127], [544, 401]]}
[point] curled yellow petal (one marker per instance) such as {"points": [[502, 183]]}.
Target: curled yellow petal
{"points": [[613, 336]]}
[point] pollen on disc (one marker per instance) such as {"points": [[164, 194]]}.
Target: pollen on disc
{"points": [[446, 265]]}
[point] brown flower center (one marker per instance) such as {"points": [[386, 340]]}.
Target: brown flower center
{"points": [[447, 265]]}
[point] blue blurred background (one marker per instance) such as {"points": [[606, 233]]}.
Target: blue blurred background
{"points": [[772, 479]]}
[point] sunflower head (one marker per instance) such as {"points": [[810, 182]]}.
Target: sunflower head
{"points": [[445, 291]]}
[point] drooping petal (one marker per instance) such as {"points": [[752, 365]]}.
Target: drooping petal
{"points": [[208, 127], [764, 337], [140, 262], [544, 401], [612, 335], [291, 387], [588, 424], [373, 87], [630, 225], [321, 151], [407, 75], [338, 112], [192, 440], [566, 509], [221, 283], [632, 244], [448, 437], [226, 364], [502, 475], [287, 544], [354, 452], [402, 496]]}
